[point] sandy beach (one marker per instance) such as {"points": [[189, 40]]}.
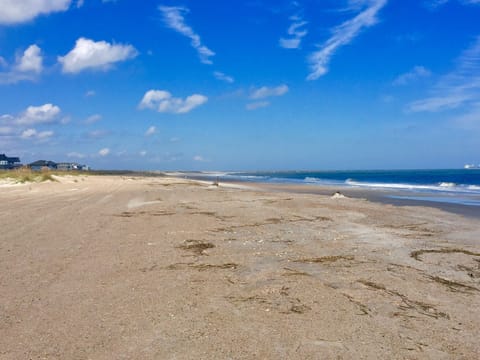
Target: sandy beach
{"points": [[125, 267]]}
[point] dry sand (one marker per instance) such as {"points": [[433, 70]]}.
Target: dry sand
{"points": [[118, 267]]}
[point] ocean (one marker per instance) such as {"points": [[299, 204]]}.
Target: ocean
{"points": [[459, 187]]}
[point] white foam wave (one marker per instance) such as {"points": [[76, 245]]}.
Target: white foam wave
{"points": [[447, 184], [312, 180], [214, 173], [441, 187]]}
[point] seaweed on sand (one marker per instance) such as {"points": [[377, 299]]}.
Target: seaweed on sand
{"points": [[202, 267], [417, 253], [325, 259], [407, 303], [196, 246], [453, 285]]}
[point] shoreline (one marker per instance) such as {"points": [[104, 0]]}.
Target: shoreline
{"points": [[381, 196], [377, 196]]}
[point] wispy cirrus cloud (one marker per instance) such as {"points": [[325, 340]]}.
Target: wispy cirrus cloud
{"points": [[262, 93], [433, 4], [461, 87], [416, 73], [173, 16], [93, 119], [257, 105], [265, 91], [95, 55], [344, 34], [20, 11], [163, 101], [26, 68], [295, 32], [223, 77]]}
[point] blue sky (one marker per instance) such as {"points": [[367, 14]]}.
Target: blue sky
{"points": [[243, 85]]}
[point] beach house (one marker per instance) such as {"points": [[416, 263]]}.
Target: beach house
{"points": [[66, 166], [9, 162], [42, 164]]}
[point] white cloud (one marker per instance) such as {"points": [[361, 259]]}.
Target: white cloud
{"points": [[223, 77], [173, 18], [264, 92], [143, 153], [416, 73], [90, 93], [150, 131], [296, 33], [342, 35], [257, 105], [93, 119], [104, 152], [34, 134], [43, 114], [89, 54], [29, 133], [80, 3], [19, 11], [26, 67], [31, 60], [163, 101], [460, 88]]}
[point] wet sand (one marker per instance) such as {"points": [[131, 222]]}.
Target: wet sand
{"points": [[116, 267], [390, 197]]}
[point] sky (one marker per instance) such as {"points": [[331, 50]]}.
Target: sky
{"points": [[241, 85]]}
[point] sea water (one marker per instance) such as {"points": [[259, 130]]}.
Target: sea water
{"points": [[458, 186]]}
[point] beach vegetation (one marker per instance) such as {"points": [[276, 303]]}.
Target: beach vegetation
{"points": [[25, 175]]}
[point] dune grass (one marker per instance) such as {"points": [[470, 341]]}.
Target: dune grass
{"points": [[26, 175]]}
